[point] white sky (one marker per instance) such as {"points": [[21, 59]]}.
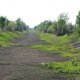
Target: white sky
{"points": [[35, 11]]}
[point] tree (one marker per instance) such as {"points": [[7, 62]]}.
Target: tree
{"points": [[70, 28], [11, 26], [53, 28], [18, 24], [62, 24], [21, 25], [58, 27], [6, 24], [2, 22], [47, 24], [43, 26], [78, 22]]}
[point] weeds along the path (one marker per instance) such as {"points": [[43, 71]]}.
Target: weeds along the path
{"points": [[61, 45], [6, 37]]}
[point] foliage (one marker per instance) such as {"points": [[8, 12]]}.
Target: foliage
{"points": [[78, 22], [61, 45], [11, 26], [62, 24], [59, 27], [2, 22], [53, 28], [43, 26], [7, 25]]}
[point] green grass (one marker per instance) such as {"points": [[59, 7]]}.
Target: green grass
{"points": [[63, 67], [62, 45], [70, 67], [6, 37]]}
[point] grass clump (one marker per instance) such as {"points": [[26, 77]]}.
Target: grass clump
{"points": [[72, 67]]}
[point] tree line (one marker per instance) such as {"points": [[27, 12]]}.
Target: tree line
{"points": [[61, 26], [8, 25]]}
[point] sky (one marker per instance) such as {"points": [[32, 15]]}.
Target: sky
{"points": [[32, 12]]}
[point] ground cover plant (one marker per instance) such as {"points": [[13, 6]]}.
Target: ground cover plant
{"points": [[6, 37], [62, 45]]}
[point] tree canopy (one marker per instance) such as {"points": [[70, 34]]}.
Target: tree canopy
{"points": [[7, 25], [61, 26]]}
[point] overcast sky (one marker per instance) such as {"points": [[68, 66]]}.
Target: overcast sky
{"points": [[35, 11]]}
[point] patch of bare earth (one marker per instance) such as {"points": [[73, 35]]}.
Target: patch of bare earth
{"points": [[21, 63]]}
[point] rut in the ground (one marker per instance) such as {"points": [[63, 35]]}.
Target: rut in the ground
{"points": [[22, 63]]}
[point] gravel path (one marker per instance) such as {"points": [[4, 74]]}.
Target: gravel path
{"points": [[22, 63]]}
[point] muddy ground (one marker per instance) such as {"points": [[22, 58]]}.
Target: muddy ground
{"points": [[19, 62]]}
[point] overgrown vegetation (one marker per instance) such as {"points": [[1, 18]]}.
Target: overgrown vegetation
{"points": [[6, 37], [59, 27], [7, 25], [68, 36], [63, 67], [10, 30], [64, 40], [60, 45]]}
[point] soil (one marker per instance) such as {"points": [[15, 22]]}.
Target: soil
{"points": [[19, 62]]}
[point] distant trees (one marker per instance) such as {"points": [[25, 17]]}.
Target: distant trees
{"points": [[70, 28], [62, 24], [11, 26], [7, 25], [2, 22], [78, 22], [43, 26], [19, 24], [60, 27], [46, 25], [53, 28]]}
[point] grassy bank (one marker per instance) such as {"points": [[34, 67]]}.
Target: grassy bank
{"points": [[62, 45], [6, 37]]}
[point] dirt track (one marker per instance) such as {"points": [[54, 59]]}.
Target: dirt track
{"points": [[22, 63]]}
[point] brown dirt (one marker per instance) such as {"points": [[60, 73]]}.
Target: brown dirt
{"points": [[22, 63]]}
